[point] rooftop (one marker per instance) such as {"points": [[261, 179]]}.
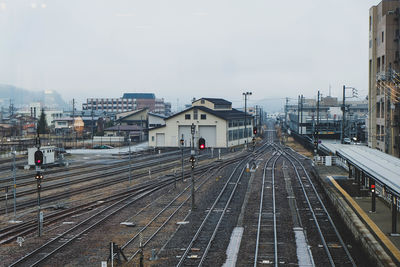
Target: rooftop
{"points": [[139, 95]]}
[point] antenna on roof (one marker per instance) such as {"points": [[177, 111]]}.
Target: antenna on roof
{"points": [[329, 89]]}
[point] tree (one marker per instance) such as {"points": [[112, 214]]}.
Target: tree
{"points": [[42, 124]]}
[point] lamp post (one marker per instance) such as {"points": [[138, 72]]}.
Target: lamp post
{"points": [[246, 94], [182, 141]]}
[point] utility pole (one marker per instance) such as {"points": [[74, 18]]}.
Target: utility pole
{"points": [[298, 115], [286, 111], [343, 114], [301, 115], [93, 131], [182, 143], [130, 169], [316, 137], [192, 161], [15, 184], [246, 94]]}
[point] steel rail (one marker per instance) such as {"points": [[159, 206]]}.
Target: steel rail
{"points": [[185, 190], [138, 195], [325, 210], [328, 254], [183, 257], [29, 226], [261, 207]]}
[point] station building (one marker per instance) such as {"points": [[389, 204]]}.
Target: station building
{"points": [[214, 120]]}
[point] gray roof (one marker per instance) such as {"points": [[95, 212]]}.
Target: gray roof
{"points": [[217, 101], [382, 167], [124, 128], [224, 114]]}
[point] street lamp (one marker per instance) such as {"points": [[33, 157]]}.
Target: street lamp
{"points": [[246, 94]]}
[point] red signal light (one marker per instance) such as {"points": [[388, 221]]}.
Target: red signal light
{"points": [[372, 186], [202, 143]]}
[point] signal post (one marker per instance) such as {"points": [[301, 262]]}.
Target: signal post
{"points": [[39, 177]]}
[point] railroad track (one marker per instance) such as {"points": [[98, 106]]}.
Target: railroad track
{"points": [[204, 237], [39, 255], [77, 170], [94, 174], [48, 249], [266, 233], [9, 234], [321, 229], [104, 183], [173, 208]]}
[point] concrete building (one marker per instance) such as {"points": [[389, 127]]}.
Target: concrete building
{"points": [[214, 119], [128, 102], [302, 118], [384, 60]]}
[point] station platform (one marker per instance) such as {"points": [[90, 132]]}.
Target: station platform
{"points": [[372, 229], [384, 169]]}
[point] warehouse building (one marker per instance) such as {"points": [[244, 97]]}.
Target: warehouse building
{"points": [[214, 120]]}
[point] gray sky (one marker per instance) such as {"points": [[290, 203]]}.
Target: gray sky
{"points": [[183, 48]]}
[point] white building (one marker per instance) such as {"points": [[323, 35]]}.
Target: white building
{"points": [[214, 120]]}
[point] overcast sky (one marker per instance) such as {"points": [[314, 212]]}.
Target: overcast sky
{"points": [[181, 49]]}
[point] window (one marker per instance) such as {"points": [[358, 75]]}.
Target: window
{"points": [[195, 114], [202, 101], [203, 116], [383, 63], [152, 138], [370, 23], [378, 67], [383, 36], [187, 116]]}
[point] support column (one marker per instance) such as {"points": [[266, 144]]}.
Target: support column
{"points": [[350, 171], [394, 215], [363, 178], [358, 177]]}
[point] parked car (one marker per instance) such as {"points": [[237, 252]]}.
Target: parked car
{"points": [[346, 140]]}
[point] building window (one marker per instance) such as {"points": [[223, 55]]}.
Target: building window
{"points": [[203, 116], [383, 36], [370, 23], [195, 114], [187, 116], [378, 67], [152, 138], [202, 101]]}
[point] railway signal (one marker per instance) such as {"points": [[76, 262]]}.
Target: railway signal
{"points": [[38, 158], [202, 143], [254, 130]]}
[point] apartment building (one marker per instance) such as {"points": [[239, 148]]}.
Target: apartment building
{"points": [[128, 102], [384, 77]]}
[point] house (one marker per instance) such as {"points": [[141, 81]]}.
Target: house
{"points": [[134, 132], [214, 119]]}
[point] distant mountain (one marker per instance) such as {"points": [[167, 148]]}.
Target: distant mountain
{"points": [[272, 105], [21, 97]]}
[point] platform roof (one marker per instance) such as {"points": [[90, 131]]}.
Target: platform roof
{"points": [[382, 167]]}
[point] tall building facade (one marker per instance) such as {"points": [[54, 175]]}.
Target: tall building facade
{"points": [[128, 102], [384, 77]]}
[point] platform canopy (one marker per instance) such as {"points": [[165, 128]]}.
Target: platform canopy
{"points": [[382, 167]]}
